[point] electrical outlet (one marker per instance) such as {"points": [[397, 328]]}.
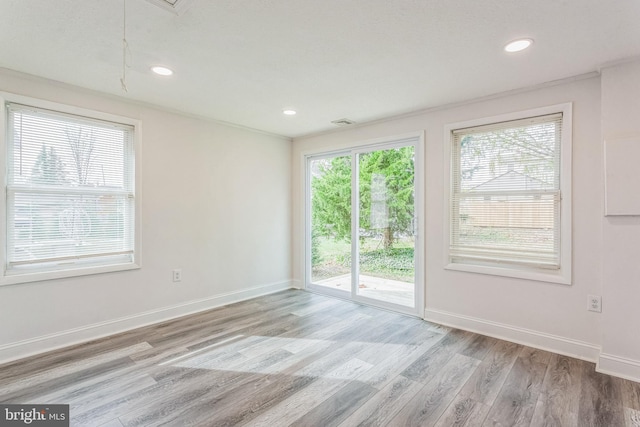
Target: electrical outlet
{"points": [[177, 275], [594, 303]]}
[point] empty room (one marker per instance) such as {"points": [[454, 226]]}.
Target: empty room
{"points": [[320, 213]]}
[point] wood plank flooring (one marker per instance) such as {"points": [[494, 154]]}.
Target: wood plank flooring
{"points": [[300, 359]]}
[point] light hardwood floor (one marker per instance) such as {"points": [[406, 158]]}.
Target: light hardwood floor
{"points": [[295, 358]]}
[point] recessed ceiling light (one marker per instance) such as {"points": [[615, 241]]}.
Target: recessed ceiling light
{"points": [[289, 112], [162, 71], [518, 45]]}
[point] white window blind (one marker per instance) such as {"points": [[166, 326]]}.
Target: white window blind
{"points": [[505, 195], [70, 191]]}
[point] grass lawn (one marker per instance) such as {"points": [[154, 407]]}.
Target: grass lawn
{"points": [[396, 263]]}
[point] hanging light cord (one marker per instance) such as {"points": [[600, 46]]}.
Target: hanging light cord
{"points": [[125, 47]]}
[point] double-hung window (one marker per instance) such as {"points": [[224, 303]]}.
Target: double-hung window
{"points": [[70, 191], [509, 201]]}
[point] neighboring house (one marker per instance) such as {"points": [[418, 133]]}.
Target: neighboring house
{"points": [[496, 205]]}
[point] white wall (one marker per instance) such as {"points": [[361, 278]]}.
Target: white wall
{"points": [[621, 250], [542, 314], [215, 202]]}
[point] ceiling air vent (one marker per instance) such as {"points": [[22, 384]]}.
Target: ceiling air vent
{"points": [[175, 6], [342, 122]]}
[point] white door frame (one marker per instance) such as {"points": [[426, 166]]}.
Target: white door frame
{"points": [[417, 141]]}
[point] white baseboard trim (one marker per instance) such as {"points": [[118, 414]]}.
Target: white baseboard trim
{"points": [[41, 344], [554, 343], [619, 367]]}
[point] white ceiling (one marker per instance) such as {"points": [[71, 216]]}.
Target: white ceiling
{"points": [[243, 61]]}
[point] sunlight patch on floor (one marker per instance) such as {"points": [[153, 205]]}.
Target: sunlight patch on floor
{"points": [[272, 355]]}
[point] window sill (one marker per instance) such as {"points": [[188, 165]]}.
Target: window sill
{"points": [[552, 276], [35, 276]]}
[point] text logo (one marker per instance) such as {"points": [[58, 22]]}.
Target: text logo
{"points": [[34, 415]]}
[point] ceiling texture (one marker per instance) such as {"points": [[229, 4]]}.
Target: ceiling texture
{"points": [[244, 61]]}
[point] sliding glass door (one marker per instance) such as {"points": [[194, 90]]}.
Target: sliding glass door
{"points": [[330, 223], [369, 253]]}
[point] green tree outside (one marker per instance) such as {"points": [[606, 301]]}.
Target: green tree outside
{"points": [[386, 213], [386, 195], [49, 168]]}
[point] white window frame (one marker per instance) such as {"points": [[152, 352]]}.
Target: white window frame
{"points": [[77, 269], [561, 275]]}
